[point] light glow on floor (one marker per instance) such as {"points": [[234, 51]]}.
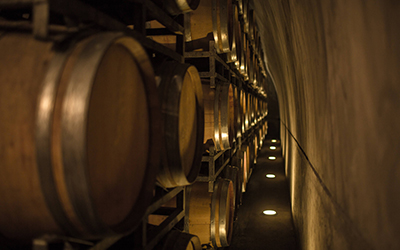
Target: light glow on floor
{"points": [[272, 147], [270, 176], [272, 158], [273, 140], [269, 212]]}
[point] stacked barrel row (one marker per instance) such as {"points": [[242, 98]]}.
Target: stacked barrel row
{"points": [[234, 29], [86, 132], [90, 124], [234, 114]]}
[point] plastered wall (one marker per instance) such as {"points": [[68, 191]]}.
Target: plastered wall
{"points": [[336, 69]]}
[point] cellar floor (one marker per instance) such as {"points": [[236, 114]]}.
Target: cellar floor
{"points": [[252, 229]]}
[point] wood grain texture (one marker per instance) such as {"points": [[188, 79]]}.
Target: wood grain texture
{"points": [[116, 141], [214, 230], [23, 65]]}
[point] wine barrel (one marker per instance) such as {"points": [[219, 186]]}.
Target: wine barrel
{"points": [[243, 105], [225, 118], [237, 162], [261, 135], [223, 25], [233, 54], [233, 173], [250, 59], [177, 240], [246, 166], [253, 78], [211, 214], [240, 4], [246, 57], [259, 109], [233, 111], [252, 157], [265, 129], [252, 110], [181, 97], [210, 113], [245, 15], [252, 27], [257, 42], [80, 125], [256, 145], [256, 109], [249, 110], [238, 114], [265, 108], [262, 109], [242, 59], [249, 64], [258, 74], [219, 115], [177, 7], [213, 19]]}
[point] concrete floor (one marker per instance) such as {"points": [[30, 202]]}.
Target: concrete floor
{"points": [[254, 230]]}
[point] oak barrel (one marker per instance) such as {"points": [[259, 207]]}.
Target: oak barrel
{"points": [[219, 115], [177, 240], [240, 4], [252, 110], [246, 165], [256, 146], [245, 15], [211, 214], [237, 161], [216, 24], [247, 57], [248, 111], [265, 128], [210, 115], [176, 7], [233, 173], [261, 135], [242, 58], [182, 107], [252, 27], [79, 128], [234, 55], [243, 108], [252, 152], [237, 112]]}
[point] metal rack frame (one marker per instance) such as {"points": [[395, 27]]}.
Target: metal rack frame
{"points": [[225, 73], [217, 161], [142, 238], [76, 9]]}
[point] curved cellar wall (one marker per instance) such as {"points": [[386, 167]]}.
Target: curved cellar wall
{"points": [[336, 71]]}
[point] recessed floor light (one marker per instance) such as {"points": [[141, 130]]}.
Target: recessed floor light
{"points": [[270, 176], [272, 158], [269, 212], [273, 140], [272, 147]]}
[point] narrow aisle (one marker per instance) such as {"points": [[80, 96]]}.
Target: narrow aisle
{"points": [[253, 230]]}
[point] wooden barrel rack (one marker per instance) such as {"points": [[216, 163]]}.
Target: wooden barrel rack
{"points": [[229, 60]]}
